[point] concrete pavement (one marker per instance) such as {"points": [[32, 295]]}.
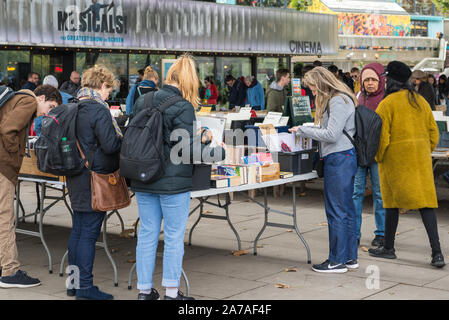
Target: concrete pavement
{"points": [[214, 273]]}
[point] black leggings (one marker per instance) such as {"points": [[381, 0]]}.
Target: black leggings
{"points": [[430, 222]]}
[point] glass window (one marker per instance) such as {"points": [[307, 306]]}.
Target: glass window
{"points": [[137, 62], [205, 67], [420, 28], [14, 68], [238, 67], [156, 64], [267, 68], [115, 62]]}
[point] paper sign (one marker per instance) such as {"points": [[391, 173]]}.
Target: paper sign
{"points": [[273, 118]]}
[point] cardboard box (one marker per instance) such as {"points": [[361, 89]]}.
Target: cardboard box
{"points": [[268, 172], [29, 167]]}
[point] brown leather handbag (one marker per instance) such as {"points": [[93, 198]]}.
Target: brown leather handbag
{"points": [[109, 191]]}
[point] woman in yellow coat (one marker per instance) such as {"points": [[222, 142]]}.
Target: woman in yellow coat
{"points": [[409, 135]]}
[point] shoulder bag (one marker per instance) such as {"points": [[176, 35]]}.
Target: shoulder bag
{"points": [[109, 191]]}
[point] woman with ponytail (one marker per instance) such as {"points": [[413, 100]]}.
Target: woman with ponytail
{"points": [[168, 197]]}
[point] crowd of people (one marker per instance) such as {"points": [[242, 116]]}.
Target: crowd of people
{"points": [[409, 134], [402, 176]]}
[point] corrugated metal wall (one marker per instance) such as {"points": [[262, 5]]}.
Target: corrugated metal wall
{"points": [[166, 25]]}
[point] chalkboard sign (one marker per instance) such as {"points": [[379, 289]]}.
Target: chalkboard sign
{"points": [[298, 109]]}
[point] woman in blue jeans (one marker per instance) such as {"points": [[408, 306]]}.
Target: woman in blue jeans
{"points": [[100, 140], [371, 94], [335, 109], [168, 198]]}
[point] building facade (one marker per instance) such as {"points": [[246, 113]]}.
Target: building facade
{"points": [[58, 36]]}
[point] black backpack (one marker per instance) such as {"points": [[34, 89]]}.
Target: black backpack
{"points": [[368, 128], [56, 149], [142, 155], [140, 91]]}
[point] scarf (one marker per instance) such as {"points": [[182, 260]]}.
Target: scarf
{"points": [[87, 93], [372, 100]]}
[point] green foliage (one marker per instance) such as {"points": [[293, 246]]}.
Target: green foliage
{"points": [[442, 5], [300, 5]]}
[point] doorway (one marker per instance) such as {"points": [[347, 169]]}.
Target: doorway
{"points": [[58, 64]]}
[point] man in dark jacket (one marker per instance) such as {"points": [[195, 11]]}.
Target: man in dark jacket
{"points": [[33, 81], [424, 88], [237, 92], [15, 117], [277, 91], [73, 85]]}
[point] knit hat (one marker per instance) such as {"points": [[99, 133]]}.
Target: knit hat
{"points": [[369, 73], [51, 80], [418, 74], [398, 71]]}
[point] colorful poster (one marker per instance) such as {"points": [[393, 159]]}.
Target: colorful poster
{"points": [[362, 24]]}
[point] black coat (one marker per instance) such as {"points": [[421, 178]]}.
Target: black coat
{"points": [[29, 85], [70, 87], [177, 177], [94, 125], [426, 90], [237, 94]]}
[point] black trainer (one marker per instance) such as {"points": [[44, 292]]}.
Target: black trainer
{"points": [[378, 241], [154, 295], [329, 267], [438, 260], [352, 264], [180, 296], [19, 280], [71, 292], [381, 252]]}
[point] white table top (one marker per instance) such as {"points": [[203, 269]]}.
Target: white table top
{"points": [[42, 180], [246, 187], [213, 191]]}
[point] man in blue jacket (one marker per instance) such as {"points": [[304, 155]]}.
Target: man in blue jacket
{"points": [[255, 96]]}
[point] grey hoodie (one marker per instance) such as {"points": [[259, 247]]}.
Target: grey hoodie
{"points": [[330, 135]]}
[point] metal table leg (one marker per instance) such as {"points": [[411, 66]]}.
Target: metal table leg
{"points": [[309, 260], [104, 244], [197, 221], [265, 223]]}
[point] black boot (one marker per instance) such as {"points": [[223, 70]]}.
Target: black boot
{"points": [[438, 260], [381, 252]]}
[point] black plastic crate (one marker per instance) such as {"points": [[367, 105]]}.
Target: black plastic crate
{"points": [[299, 162], [444, 140], [201, 177]]}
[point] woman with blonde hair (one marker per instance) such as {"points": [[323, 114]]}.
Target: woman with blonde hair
{"points": [[100, 140], [148, 84], [335, 110], [168, 197]]}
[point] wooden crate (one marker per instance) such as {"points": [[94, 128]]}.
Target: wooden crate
{"points": [[29, 168]]}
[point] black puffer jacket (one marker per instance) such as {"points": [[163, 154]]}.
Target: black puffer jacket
{"points": [[94, 125], [181, 115]]}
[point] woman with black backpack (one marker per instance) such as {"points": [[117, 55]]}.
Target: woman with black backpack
{"points": [[168, 197]]}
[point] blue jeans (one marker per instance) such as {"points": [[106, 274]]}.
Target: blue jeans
{"points": [[359, 195], [85, 231], [339, 173], [174, 209]]}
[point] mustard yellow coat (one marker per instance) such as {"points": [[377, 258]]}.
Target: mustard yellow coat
{"points": [[408, 138]]}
